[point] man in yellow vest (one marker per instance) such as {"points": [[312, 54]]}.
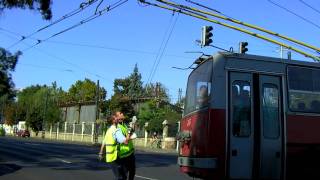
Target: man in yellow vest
{"points": [[126, 152], [112, 141]]}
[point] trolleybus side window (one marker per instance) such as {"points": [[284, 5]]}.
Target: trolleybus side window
{"points": [[304, 89], [270, 111], [241, 106], [199, 88]]}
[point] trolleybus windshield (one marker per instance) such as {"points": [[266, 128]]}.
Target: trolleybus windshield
{"points": [[199, 88]]}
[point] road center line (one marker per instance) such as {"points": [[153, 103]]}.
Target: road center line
{"points": [[34, 144], [65, 161], [142, 177]]}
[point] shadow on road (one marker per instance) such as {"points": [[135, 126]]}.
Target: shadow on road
{"points": [[30, 153], [91, 163], [8, 168]]}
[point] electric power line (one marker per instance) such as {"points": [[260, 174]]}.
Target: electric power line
{"points": [[162, 49], [303, 2], [83, 6], [65, 61], [88, 19], [114, 49], [45, 67], [161, 45], [94, 46], [297, 15]]}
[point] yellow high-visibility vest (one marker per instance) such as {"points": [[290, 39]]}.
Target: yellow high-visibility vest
{"points": [[111, 144], [125, 149]]}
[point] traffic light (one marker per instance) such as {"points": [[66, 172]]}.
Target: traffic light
{"points": [[206, 36], [242, 47]]}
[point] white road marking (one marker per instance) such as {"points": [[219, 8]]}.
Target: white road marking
{"points": [[65, 161], [142, 177], [34, 144]]}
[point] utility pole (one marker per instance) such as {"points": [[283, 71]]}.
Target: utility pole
{"points": [[45, 109], [179, 95], [97, 100], [157, 93]]}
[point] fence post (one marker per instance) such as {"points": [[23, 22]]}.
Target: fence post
{"points": [[58, 124], [178, 142], [65, 130], [82, 130], [73, 131], [50, 131], [146, 124], [92, 132]]}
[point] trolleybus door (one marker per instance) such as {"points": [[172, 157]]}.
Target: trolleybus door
{"points": [[255, 126], [241, 134], [271, 125]]}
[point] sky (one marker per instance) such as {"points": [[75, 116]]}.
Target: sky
{"points": [[109, 46]]}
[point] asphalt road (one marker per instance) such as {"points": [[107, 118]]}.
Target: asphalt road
{"points": [[29, 159]]}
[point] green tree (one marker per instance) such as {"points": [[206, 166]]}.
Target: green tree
{"points": [[156, 90], [126, 92], [38, 106], [8, 63], [10, 114], [85, 91], [123, 104], [44, 6], [155, 114], [135, 84]]}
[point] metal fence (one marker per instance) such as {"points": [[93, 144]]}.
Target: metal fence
{"points": [[98, 130]]}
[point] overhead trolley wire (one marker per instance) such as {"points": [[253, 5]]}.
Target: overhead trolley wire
{"points": [[88, 19], [206, 7], [182, 7], [83, 6], [180, 10]]}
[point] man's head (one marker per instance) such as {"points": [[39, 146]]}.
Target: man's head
{"points": [[119, 116], [203, 91], [113, 119]]}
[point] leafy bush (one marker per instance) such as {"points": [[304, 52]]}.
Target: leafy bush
{"points": [[2, 132]]}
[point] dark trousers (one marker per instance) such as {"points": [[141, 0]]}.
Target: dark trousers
{"points": [[118, 170], [129, 164]]}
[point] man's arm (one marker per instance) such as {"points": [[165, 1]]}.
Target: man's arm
{"points": [[120, 138], [102, 146]]}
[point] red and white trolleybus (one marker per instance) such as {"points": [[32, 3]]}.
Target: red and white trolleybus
{"points": [[245, 115]]}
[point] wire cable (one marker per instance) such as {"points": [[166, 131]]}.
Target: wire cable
{"points": [[83, 6], [164, 48], [65, 61], [114, 49], [297, 15], [45, 67], [303, 2], [88, 19], [96, 46], [206, 7], [158, 53], [315, 58]]}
